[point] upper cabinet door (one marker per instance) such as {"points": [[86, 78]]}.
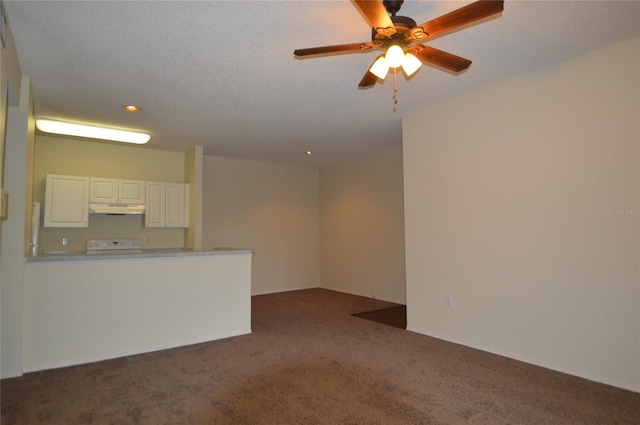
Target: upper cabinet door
{"points": [[155, 204], [104, 190], [131, 191], [174, 215], [167, 205], [66, 201], [115, 191]]}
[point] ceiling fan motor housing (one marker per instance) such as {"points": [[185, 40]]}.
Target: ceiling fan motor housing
{"points": [[393, 6], [402, 24]]}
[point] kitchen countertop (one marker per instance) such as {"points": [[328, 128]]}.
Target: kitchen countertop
{"points": [[146, 253]]}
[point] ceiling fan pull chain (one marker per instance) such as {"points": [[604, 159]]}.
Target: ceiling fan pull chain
{"points": [[395, 91]]}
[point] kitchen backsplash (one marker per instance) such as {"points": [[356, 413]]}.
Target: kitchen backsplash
{"points": [[107, 227]]}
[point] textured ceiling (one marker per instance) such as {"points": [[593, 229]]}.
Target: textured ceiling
{"points": [[222, 74]]}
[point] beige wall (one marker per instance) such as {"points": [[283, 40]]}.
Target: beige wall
{"points": [[270, 208], [10, 83], [16, 232], [193, 175], [362, 227], [10, 95], [522, 205], [59, 155]]}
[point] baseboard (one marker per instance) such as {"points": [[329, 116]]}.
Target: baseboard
{"points": [[535, 362], [361, 295], [11, 374], [278, 291], [142, 350]]}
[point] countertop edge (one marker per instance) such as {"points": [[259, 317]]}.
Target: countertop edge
{"points": [[140, 255]]}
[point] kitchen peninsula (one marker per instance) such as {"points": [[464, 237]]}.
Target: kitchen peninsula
{"points": [[80, 308]]}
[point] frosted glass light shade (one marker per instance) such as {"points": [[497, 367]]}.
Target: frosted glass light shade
{"points": [[410, 64], [82, 130], [394, 56], [380, 68]]}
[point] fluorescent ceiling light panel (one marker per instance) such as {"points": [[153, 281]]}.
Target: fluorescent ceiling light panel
{"points": [[82, 130]]}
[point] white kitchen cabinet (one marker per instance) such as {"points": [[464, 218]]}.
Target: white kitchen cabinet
{"points": [[114, 191], [131, 191], [176, 205], [167, 204], [66, 201], [155, 205]]}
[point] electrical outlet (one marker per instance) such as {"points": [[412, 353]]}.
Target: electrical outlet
{"points": [[65, 241], [448, 300]]}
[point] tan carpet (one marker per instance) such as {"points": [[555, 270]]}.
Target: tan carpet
{"points": [[309, 361]]}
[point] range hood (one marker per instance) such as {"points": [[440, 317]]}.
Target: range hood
{"points": [[116, 209]]}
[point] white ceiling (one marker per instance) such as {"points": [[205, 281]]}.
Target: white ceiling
{"points": [[222, 74]]}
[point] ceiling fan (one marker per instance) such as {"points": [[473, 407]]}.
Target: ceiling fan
{"points": [[402, 39]]}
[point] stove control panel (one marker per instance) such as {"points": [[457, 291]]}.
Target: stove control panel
{"points": [[111, 245]]}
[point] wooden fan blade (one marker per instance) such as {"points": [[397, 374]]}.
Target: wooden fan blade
{"points": [[438, 57], [340, 48], [457, 18], [376, 15], [368, 80]]}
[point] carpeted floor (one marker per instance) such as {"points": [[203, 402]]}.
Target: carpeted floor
{"points": [[308, 361]]}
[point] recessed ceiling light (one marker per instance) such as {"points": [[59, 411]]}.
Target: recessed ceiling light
{"points": [[93, 132], [309, 153], [131, 108]]}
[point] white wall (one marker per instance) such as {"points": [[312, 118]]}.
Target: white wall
{"points": [[10, 83], [17, 229], [521, 203], [362, 227], [270, 208], [89, 310]]}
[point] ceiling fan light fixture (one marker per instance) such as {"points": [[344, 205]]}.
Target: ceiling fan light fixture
{"points": [[400, 33], [380, 68], [394, 56], [410, 64], [90, 131]]}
